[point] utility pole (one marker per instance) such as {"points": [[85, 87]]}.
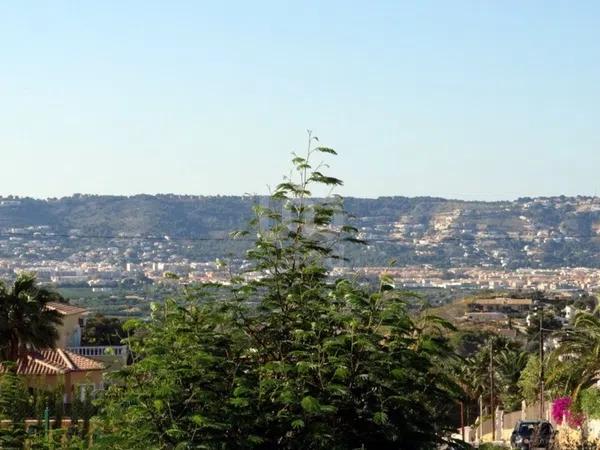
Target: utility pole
{"points": [[462, 420], [47, 420], [541, 314], [480, 417], [492, 407]]}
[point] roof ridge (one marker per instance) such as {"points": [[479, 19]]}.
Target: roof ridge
{"points": [[45, 363], [66, 359]]}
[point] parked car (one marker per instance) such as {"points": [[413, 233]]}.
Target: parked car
{"points": [[530, 434]]}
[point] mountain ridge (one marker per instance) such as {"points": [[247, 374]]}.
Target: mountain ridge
{"points": [[528, 232]]}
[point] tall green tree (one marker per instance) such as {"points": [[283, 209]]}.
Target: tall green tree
{"points": [[289, 358], [529, 380], [25, 321]]}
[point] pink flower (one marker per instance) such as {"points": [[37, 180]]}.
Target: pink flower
{"points": [[561, 411]]}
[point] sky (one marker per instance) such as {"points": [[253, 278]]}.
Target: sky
{"points": [[461, 99]]}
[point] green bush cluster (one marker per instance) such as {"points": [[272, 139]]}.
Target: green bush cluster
{"points": [[589, 400]]}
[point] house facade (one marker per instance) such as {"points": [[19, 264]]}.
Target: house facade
{"points": [[75, 368], [58, 368]]}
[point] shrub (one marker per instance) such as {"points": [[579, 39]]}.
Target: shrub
{"points": [[562, 411], [590, 402]]}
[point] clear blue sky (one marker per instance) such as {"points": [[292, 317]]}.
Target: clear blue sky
{"points": [[464, 99]]}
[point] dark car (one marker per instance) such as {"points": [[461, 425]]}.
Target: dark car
{"points": [[530, 434]]}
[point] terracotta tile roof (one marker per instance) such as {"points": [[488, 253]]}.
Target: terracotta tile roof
{"points": [[65, 309], [54, 362]]}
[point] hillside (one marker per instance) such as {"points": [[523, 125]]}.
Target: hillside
{"points": [[538, 232]]}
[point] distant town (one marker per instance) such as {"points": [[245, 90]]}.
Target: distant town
{"points": [[474, 278], [117, 254]]}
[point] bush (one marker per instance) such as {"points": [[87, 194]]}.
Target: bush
{"points": [[590, 402]]}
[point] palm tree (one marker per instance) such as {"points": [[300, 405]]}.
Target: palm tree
{"points": [[26, 323], [575, 363], [509, 363], [475, 373], [473, 376]]}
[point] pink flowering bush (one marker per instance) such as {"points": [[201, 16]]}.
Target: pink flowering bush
{"points": [[561, 410]]}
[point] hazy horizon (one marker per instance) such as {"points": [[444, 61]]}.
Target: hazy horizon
{"points": [[175, 194]]}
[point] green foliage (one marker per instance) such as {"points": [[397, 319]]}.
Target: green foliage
{"points": [[58, 439], [12, 437], [14, 398], [18, 404], [476, 372], [83, 409], [468, 342], [529, 381], [550, 323], [289, 359], [52, 399], [509, 364], [102, 330], [589, 400], [574, 365]]}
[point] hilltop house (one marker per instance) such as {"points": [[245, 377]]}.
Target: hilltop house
{"points": [[74, 367]]}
